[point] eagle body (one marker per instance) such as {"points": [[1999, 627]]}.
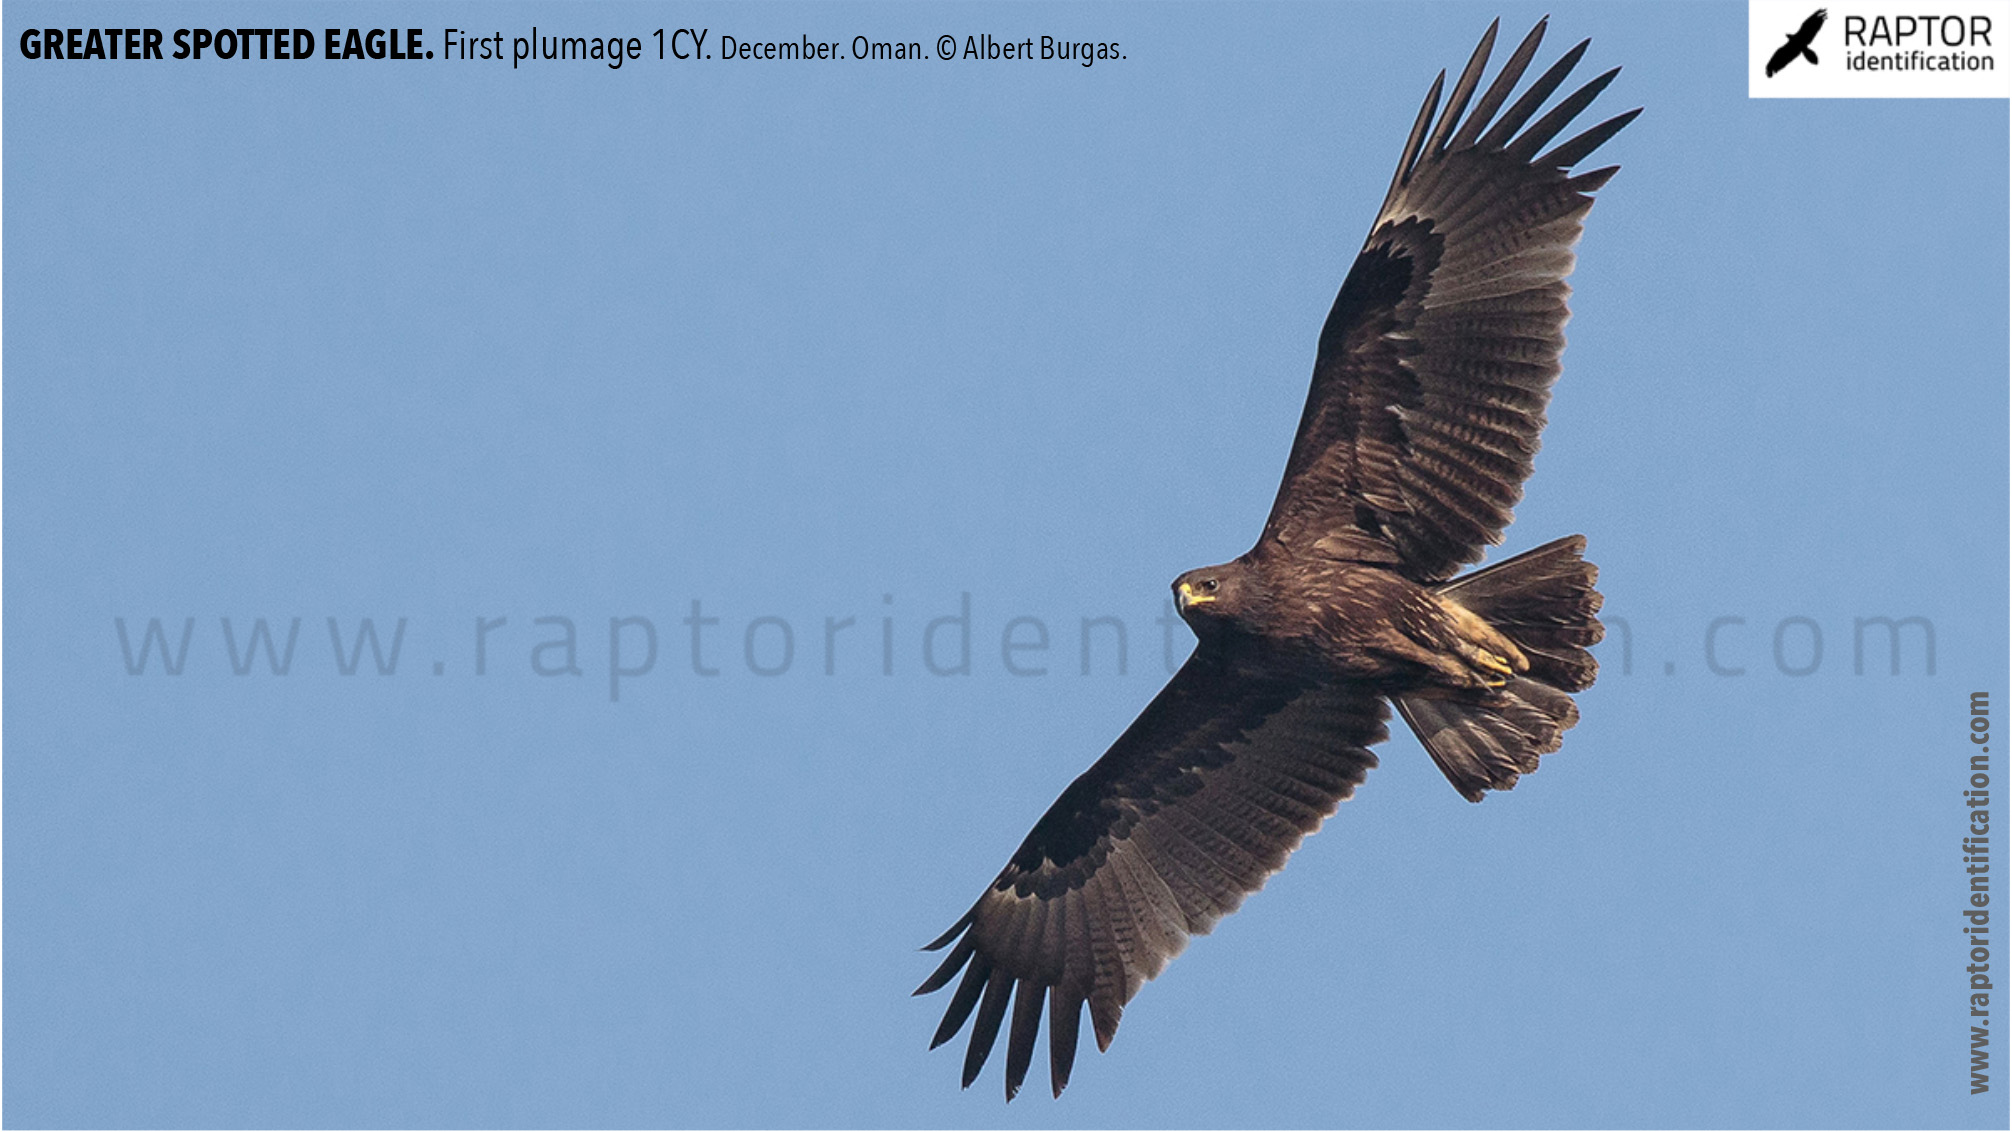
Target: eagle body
{"points": [[1348, 620], [1430, 382]]}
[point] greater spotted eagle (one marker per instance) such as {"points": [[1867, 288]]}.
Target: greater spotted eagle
{"points": [[1429, 388]]}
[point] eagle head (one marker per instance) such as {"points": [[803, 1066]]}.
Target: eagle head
{"points": [[1215, 595]]}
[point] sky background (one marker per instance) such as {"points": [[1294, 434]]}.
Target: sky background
{"points": [[448, 343]]}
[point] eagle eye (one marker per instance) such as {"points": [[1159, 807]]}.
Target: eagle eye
{"points": [[1209, 585]]}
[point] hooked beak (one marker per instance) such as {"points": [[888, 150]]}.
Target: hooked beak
{"points": [[1187, 596]]}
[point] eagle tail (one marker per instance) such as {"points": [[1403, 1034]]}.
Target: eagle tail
{"points": [[1544, 601], [1809, 55]]}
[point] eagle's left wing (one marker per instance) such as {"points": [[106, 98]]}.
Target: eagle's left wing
{"points": [[1806, 34], [1436, 362], [1194, 806]]}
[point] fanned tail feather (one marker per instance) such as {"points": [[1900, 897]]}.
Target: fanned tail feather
{"points": [[1545, 602]]}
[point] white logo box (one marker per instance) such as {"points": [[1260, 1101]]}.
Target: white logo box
{"points": [[1892, 49]]}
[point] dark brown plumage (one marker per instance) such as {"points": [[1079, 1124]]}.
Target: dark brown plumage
{"points": [[1429, 388]]}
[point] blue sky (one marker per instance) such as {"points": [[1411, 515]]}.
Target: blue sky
{"points": [[809, 344]]}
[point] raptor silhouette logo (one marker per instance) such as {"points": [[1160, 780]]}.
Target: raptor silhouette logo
{"points": [[1798, 43]]}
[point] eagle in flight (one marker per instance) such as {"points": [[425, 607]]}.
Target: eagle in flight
{"points": [[1798, 43], [1429, 388]]}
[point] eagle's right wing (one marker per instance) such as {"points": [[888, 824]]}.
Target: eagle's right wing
{"points": [[1194, 806], [1783, 56]]}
